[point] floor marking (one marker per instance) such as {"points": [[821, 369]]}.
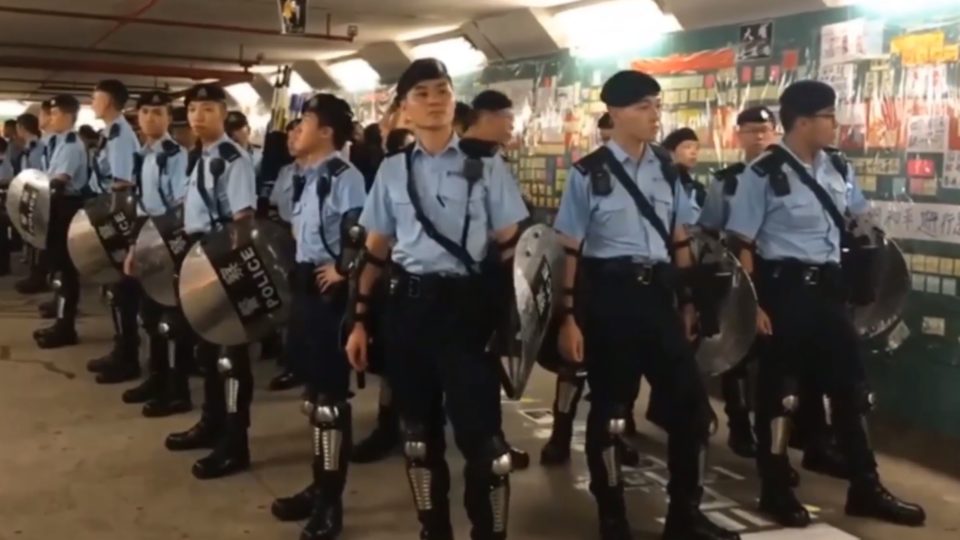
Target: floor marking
{"points": [[819, 531], [726, 522], [728, 472], [752, 518], [541, 417]]}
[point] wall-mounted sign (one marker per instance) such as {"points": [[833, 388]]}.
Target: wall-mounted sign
{"points": [[756, 41], [293, 16]]}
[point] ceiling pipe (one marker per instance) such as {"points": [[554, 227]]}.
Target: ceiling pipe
{"points": [[88, 85], [240, 60], [117, 68], [326, 36]]}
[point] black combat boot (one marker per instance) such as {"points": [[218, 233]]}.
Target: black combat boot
{"points": [[487, 490], [204, 434], [778, 501], [153, 386], [285, 380], [56, 336], [822, 455], [175, 397], [332, 429], [685, 521], [868, 498], [296, 507], [230, 455]]}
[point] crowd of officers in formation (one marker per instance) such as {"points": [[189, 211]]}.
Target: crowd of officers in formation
{"points": [[442, 213]]}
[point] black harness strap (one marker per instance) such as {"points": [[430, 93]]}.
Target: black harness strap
{"points": [[643, 205], [814, 186]]}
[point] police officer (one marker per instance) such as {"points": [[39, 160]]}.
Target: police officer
{"points": [[756, 130], [113, 171], [684, 145], [28, 132], [37, 280], [786, 220], [238, 129], [221, 188], [622, 218], [160, 174], [605, 127], [328, 197], [441, 206], [67, 169], [492, 118]]}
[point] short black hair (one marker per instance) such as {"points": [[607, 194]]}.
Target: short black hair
{"points": [[803, 99], [491, 100], [66, 103], [116, 89], [11, 123], [334, 113], [396, 139], [605, 121], [29, 122], [87, 132], [462, 114]]}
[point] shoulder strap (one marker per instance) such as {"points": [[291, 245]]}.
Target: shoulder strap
{"points": [[814, 186], [839, 161], [115, 130], [671, 174], [643, 205], [228, 151], [337, 166], [323, 190], [457, 250]]}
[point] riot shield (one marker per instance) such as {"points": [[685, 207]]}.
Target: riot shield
{"points": [[100, 235], [727, 303], [880, 278], [538, 283], [233, 285], [160, 248], [28, 206]]}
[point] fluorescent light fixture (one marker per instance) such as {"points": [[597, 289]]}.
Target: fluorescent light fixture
{"points": [[11, 108], [617, 25], [901, 7], [355, 75], [86, 116], [458, 54], [298, 85], [243, 94]]}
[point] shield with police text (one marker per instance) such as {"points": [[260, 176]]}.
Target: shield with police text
{"points": [[234, 286], [100, 235], [879, 276], [727, 305], [28, 206], [538, 284], [160, 248]]}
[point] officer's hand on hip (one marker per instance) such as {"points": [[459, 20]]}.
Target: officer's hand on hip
{"points": [[326, 276], [764, 326], [357, 348], [570, 341], [689, 321]]}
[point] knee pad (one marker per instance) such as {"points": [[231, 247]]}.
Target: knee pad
{"points": [[415, 445], [501, 460], [225, 366], [865, 399]]}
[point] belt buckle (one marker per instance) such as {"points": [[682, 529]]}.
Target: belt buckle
{"points": [[811, 276], [645, 275], [413, 286]]}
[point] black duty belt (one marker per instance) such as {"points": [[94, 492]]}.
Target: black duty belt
{"points": [[794, 271], [431, 286], [624, 268]]}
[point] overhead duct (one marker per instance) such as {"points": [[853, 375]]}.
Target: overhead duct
{"points": [[693, 14], [116, 68], [389, 59], [314, 75], [522, 33]]}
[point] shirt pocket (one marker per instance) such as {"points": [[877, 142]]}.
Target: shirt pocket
{"points": [[458, 198], [838, 193], [804, 213], [612, 214]]}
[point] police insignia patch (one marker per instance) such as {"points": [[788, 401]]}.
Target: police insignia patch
{"points": [[156, 99], [202, 93]]}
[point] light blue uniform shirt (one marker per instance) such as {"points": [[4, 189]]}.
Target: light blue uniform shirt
{"points": [[48, 142], [794, 226], [69, 158], [11, 156], [716, 204], [611, 225], [281, 195], [32, 156], [114, 159], [494, 204], [234, 191], [161, 190], [347, 192]]}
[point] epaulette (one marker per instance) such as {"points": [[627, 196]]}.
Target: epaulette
{"points": [[662, 153], [228, 151], [477, 148], [337, 166], [71, 137], [193, 158], [593, 167], [731, 172], [590, 162], [114, 131], [404, 150], [767, 164], [839, 161], [170, 148]]}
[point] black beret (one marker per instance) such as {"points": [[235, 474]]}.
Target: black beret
{"points": [[424, 69], [65, 103], [462, 112], [628, 87], [492, 101], [679, 136], [155, 98], [806, 98], [325, 104], [235, 120], [116, 89], [605, 121], [757, 114], [205, 92]]}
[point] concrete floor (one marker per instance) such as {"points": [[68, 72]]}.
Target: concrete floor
{"points": [[77, 463]]}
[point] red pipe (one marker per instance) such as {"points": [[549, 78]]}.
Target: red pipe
{"points": [[138, 54], [148, 70], [171, 23]]}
